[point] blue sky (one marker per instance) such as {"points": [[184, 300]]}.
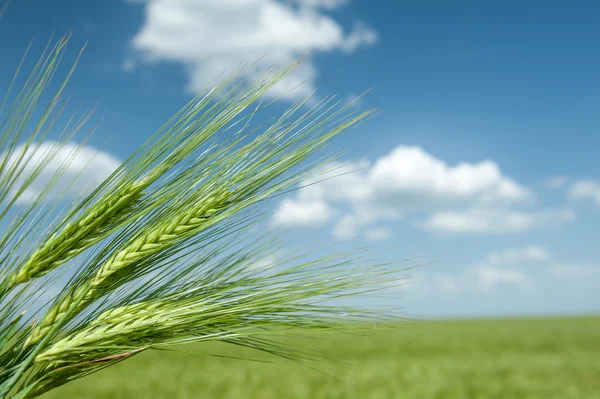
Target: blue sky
{"points": [[484, 160]]}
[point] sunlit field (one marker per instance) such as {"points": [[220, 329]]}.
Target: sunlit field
{"points": [[524, 358]]}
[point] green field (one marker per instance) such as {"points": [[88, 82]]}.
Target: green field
{"points": [[529, 358]]}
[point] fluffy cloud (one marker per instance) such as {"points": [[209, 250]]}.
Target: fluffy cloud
{"points": [[473, 198], [495, 221], [377, 234], [410, 179], [507, 268], [522, 268], [302, 214], [327, 4], [512, 255], [82, 169], [511, 281], [345, 228], [585, 190], [208, 37], [488, 277], [416, 179], [481, 278]]}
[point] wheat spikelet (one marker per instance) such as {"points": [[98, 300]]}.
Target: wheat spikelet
{"points": [[67, 305], [158, 239], [124, 313], [140, 321], [76, 237], [188, 223]]}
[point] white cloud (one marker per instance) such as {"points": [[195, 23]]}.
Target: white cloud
{"points": [[506, 268], [411, 177], [480, 278], [209, 37], [488, 277], [337, 182], [585, 190], [346, 228], [510, 266], [556, 182], [499, 268], [326, 4], [302, 214], [512, 255], [84, 169], [514, 280], [495, 221], [378, 234], [361, 35], [474, 198]]}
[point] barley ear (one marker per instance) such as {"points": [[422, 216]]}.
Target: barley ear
{"points": [[156, 240], [60, 312], [77, 236]]}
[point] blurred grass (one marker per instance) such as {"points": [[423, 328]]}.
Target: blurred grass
{"points": [[522, 358]]}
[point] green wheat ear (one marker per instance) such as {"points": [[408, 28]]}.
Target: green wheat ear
{"points": [[164, 248], [81, 234], [158, 239]]}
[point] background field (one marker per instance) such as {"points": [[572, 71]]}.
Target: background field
{"points": [[527, 358]]}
